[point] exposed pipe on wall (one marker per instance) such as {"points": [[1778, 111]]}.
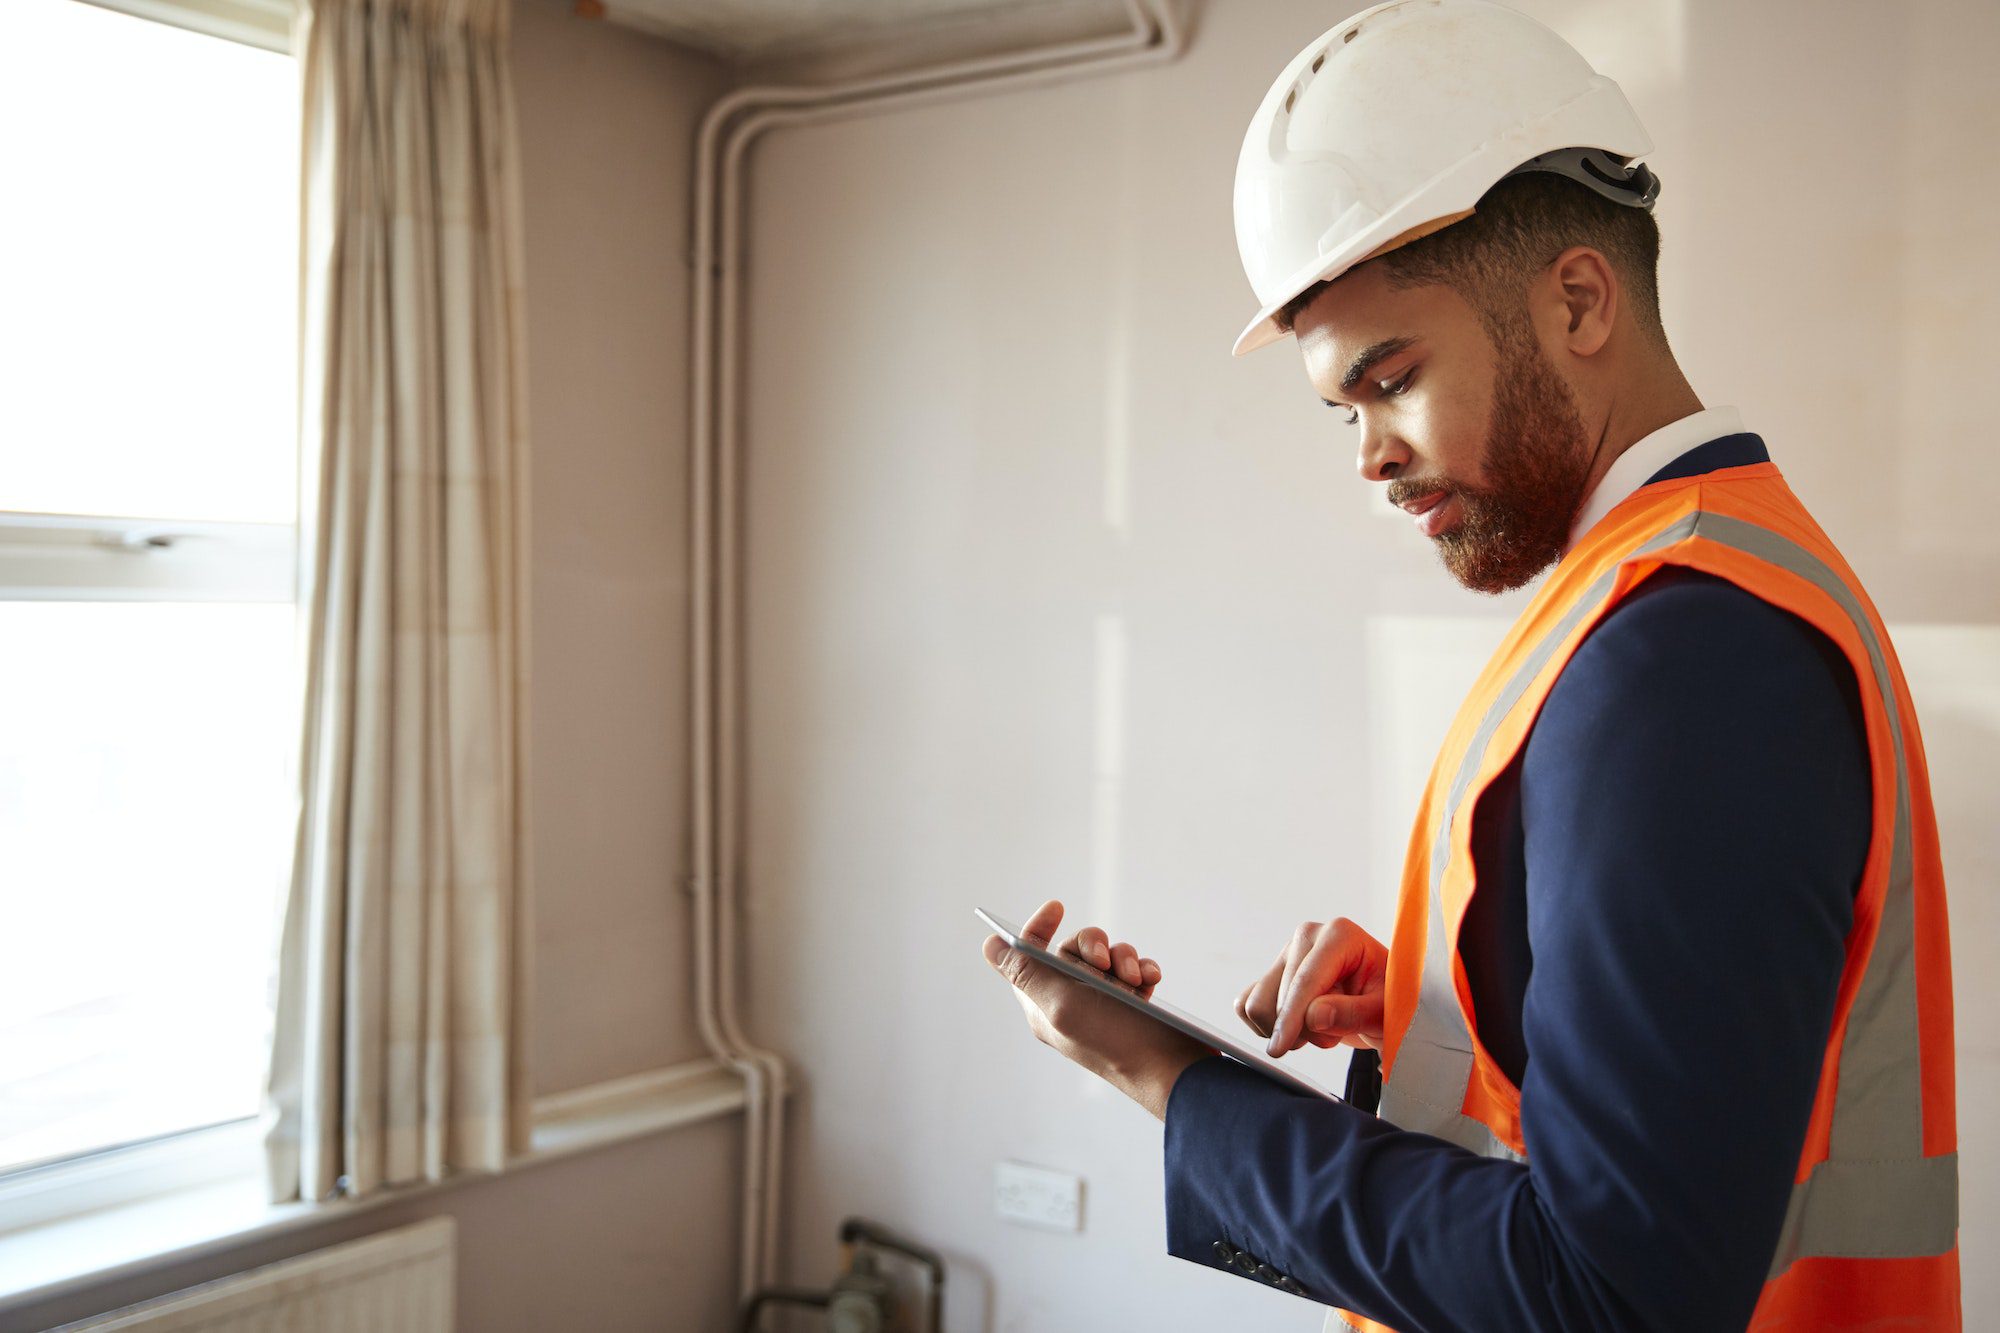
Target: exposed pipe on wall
{"points": [[729, 128]]}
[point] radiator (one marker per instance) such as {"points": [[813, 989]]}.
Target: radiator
{"points": [[397, 1282]]}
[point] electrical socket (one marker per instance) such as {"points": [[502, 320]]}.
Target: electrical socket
{"points": [[1038, 1197]]}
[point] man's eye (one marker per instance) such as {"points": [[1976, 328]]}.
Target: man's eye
{"points": [[1388, 390]]}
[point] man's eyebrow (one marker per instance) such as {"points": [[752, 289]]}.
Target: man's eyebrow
{"points": [[1380, 351]]}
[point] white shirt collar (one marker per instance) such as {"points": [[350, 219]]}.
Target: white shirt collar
{"points": [[1629, 471]]}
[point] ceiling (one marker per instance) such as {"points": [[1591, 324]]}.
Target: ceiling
{"points": [[762, 30]]}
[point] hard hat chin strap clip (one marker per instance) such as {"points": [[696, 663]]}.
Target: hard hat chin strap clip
{"points": [[1633, 185]]}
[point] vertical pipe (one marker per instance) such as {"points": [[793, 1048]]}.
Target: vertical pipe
{"points": [[702, 716]]}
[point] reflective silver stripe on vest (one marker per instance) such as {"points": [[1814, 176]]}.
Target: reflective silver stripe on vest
{"points": [[1425, 1090], [1876, 1195]]}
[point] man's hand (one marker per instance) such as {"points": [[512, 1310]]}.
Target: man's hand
{"points": [[1136, 1055], [1325, 988]]}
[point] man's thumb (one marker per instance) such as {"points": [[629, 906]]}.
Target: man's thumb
{"points": [[1333, 1014], [1010, 962]]}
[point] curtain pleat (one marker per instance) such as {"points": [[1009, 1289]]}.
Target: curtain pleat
{"points": [[399, 1052]]}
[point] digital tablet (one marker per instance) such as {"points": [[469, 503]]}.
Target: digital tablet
{"points": [[1159, 1010]]}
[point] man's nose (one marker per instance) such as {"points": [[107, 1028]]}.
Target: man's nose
{"points": [[1382, 456]]}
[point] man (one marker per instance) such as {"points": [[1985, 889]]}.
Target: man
{"points": [[1665, 1022]]}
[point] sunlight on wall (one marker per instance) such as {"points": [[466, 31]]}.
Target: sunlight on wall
{"points": [[1109, 753], [1419, 667], [1118, 429]]}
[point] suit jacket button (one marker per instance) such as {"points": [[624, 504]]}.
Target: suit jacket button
{"points": [[1246, 1262], [1225, 1251], [1293, 1285], [1268, 1273]]}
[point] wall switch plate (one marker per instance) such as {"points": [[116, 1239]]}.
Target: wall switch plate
{"points": [[1038, 1197]]}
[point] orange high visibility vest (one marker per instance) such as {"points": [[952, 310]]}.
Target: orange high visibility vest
{"points": [[1870, 1238]]}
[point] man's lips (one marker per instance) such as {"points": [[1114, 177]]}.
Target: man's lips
{"points": [[1433, 512]]}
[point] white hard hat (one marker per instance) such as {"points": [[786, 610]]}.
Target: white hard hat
{"points": [[1393, 124]]}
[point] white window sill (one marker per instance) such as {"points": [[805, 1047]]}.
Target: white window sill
{"points": [[57, 1257]]}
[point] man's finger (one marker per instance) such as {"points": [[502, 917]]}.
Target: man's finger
{"points": [[1093, 946], [1258, 1005], [1042, 926], [1336, 953], [1304, 939]]}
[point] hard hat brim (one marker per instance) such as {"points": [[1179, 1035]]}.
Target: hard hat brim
{"points": [[1263, 330]]}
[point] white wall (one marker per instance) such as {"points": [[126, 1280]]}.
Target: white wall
{"points": [[1050, 596]]}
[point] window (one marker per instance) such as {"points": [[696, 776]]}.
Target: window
{"points": [[149, 694]]}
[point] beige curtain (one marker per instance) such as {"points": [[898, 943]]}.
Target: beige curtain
{"points": [[399, 1044]]}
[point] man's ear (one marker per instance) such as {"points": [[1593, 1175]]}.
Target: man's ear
{"points": [[1586, 294]]}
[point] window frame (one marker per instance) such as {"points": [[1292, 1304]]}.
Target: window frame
{"points": [[55, 1191], [109, 558], [265, 23]]}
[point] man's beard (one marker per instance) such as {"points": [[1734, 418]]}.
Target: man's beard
{"points": [[1537, 460]]}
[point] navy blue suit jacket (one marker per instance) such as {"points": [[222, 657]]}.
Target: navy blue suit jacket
{"points": [[1667, 875]]}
